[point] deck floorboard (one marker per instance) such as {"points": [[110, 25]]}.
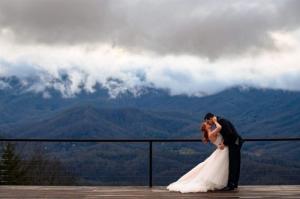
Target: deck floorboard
{"points": [[140, 192]]}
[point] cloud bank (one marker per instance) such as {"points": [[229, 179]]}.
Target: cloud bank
{"points": [[189, 47]]}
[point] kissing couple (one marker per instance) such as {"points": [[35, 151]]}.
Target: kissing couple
{"points": [[221, 170]]}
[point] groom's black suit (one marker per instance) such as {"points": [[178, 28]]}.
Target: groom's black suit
{"points": [[234, 142]]}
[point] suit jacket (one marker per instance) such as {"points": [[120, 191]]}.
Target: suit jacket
{"points": [[229, 133]]}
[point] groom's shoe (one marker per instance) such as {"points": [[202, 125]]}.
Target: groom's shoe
{"points": [[228, 188]]}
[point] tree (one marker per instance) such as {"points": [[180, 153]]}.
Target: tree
{"points": [[44, 170], [35, 169], [11, 170]]}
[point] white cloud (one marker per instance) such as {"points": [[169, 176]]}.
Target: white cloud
{"points": [[4, 85], [182, 74]]}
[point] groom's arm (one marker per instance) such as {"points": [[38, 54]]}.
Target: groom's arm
{"points": [[226, 132]]}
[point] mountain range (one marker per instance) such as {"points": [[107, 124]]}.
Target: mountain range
{"points": [[256, 113]]}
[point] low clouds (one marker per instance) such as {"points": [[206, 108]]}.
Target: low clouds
{"points": [[189, 47]]}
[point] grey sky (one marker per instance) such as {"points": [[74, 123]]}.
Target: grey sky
{"points": [[206, 28]]}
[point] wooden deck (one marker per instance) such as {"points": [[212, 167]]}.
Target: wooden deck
{"points": [[123, 192]]}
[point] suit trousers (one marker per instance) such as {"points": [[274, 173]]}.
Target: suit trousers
{"points": [[234, 164]]}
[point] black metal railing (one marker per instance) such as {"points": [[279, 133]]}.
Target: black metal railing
{"points": [[149, 141]]}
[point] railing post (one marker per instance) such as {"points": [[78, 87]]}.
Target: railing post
{"points": [[150, 164]]}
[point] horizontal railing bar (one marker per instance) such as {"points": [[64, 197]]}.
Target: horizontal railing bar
{"points": [[150, 141], [133, 140], [271, 139], [99, 140]]}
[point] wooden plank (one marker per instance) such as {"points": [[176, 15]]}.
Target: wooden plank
{"points": [[124, 192]]}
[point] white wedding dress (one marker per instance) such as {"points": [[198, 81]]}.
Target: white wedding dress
{"points": [[211, 174]]}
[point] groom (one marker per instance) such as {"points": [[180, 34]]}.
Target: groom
{"points": [[234, 142]]}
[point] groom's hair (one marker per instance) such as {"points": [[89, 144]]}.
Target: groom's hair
{"points": [[208, 116]]}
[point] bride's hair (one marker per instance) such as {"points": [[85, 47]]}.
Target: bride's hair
{"points": [[204, 130]]}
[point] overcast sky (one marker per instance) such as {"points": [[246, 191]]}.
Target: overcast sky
{"points": [[188, 46]]}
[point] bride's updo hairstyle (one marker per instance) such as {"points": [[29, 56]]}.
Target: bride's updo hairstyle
{"points": [[204, 127]]}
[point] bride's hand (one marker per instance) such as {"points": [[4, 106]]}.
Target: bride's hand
{"points": [[221, 146], [215, 119]]}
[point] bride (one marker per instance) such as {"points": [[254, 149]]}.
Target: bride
{"points": [[212, 173]]}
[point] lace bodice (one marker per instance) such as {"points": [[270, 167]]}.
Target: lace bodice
{"points": [[218, 140]]}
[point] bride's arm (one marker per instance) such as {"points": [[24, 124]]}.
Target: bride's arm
{"points": [[216, 130]]}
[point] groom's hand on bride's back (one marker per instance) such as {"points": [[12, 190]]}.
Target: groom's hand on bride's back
{"points": [[221, 146]]}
